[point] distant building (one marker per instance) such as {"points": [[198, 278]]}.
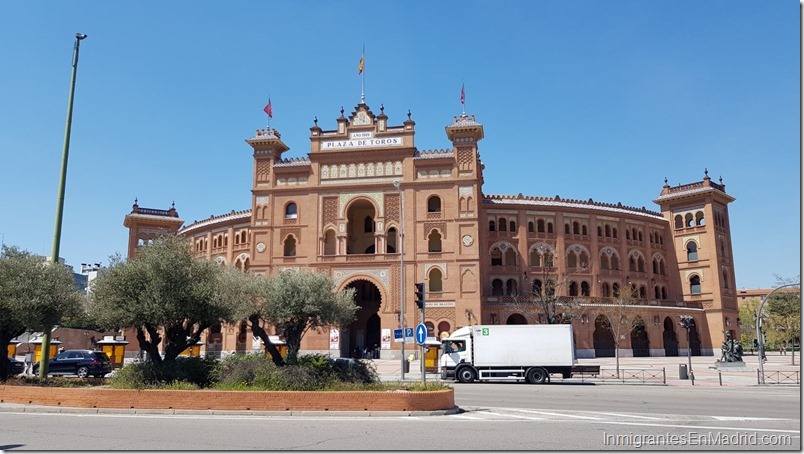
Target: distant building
{"points": [[365, 190]]}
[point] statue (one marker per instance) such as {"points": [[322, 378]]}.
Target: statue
{"points": [[731, 351]]}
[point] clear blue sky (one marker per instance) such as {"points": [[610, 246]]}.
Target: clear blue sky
{"points": [[600, 99]]}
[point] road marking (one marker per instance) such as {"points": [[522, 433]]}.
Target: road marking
{"points": [[630, 416], [513, 416], [682, 426], [556, 414], [745, 418]]}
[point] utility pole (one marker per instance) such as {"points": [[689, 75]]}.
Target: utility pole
{"points": [[398, 185], [54, 256]]}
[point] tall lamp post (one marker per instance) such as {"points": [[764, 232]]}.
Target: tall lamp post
{"points": [[398, 185], [687, 322], [760, 336], [54, 256]]}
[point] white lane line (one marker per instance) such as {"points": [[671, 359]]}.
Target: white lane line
{"points": [[465, 417], [746, 418], [630, 416], [513, 416], [547, 413], [682, 426]]}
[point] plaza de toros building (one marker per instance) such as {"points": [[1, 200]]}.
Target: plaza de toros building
{"points": [[365, 192]]}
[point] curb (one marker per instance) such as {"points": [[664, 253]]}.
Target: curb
{"points": [[34, 409]]}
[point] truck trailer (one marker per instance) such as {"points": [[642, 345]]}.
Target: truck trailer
{"points": [[510, 352]]}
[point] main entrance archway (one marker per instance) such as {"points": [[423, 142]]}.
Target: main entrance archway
{"points": [[670, 339], [362, 337], [602, 338]]}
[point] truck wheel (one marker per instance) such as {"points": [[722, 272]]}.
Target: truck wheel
{"points": [[537, 375], [466, 375]]}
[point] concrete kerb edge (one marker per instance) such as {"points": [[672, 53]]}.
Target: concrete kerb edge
{"points": [[150, 411]]}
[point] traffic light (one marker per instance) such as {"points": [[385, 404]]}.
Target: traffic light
{"points": [[419, 294]]}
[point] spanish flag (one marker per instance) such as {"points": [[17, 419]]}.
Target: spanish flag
{"points": [[269, 108], [362, 63]]}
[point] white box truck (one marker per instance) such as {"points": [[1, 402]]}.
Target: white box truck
{"points": [[510, 352]]}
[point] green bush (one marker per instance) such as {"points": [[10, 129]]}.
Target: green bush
{"points": [[195, 371], [243, 369]]}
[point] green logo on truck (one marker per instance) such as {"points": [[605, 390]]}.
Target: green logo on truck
{"points": [[485, 331]]}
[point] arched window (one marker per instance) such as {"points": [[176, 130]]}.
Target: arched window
{"points": [[434, 241], [329, 242], [492, 226], [604, 262], [692, 251], [634, 233], [699, 218], [291, 211], [599, 231], [608, 231], [511, 288], [540, 226], [549, 227], [656, 292], [535, 258], [510, 257], [502, 225], [496, 287], [688, 222], [290, 246], [567, 229], [537, 287], [615, 262], [695, 284], [605, 289], [679, 222], [584, 288], [631, 264], [390, 241], [656, 266], [530, 226], [615, 289], [640, 235], [583, 260], [627, 234], [512, 226], [643, 292], [584, 230], [576, 228], [435, 280], [614, 232], [573, 289], [640, 264], [572, 260], [725, 279], [434, 204], [496, 257], [664, 293], [368, 224]]}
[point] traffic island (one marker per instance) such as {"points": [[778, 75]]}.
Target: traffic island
{"points": [[283, 401]]}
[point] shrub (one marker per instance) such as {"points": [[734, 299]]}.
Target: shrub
{"points": [[243, 368], [195, 371]]}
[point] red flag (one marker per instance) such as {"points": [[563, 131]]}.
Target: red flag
{"points": [[268, 109], [463, 98]]}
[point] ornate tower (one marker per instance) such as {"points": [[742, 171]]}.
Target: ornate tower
{"points": [[268, 149], [145, 224], [698, 214]]}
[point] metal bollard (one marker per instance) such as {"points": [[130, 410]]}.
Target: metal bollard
{"points": [[692, 378], [664, 377], [720, 378]]}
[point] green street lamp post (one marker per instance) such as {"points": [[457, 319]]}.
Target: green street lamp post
{"points": [[54, 257]]}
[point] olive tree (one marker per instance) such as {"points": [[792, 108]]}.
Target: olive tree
{"points": [[34, 294], [166, 295], [296, 301]]}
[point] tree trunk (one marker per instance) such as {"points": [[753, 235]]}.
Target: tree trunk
{"points": [[617, 358], [150, 346], [5, 364], [260, 332]]}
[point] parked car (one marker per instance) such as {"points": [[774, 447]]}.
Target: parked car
{"points": [[78, 362], [17, 367]]}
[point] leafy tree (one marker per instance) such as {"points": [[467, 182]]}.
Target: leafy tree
{"points": [[620, 318], [782, 324], [545, 297], [296, 301], [33, 295], [166, 295], [747, 314]]}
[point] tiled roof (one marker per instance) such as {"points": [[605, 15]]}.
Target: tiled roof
{"points": [[433, 154], [293, 162], [245, 214], [569, 203]]}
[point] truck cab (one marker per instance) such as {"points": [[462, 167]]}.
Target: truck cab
{"points": [[455, 350]]}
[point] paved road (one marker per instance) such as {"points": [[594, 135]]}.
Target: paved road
{"points": [[498, 417]]}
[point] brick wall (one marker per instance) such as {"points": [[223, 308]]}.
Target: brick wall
{"points": [[230, 400]]}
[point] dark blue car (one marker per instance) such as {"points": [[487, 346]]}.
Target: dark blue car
{"points": [[78, 362]]}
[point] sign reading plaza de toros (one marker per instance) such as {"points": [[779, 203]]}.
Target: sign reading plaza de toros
{"points": [[361, 140]]}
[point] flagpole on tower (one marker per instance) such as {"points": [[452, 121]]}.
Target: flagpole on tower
{"points": [[463, 99], [362, 74], [270, 111]]}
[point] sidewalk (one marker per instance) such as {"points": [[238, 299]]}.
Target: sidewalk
{"points": [[703, 369]]}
